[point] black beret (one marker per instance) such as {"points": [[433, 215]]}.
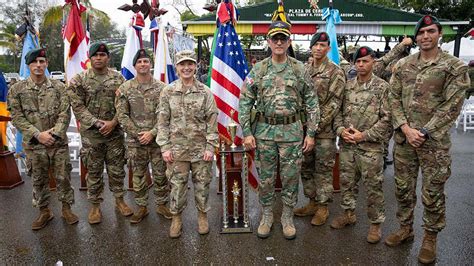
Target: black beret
{"points": [[279, 27], [140, 54], [426, 21], [319, 37], [98, 47], [33, 54], [363, 51]]}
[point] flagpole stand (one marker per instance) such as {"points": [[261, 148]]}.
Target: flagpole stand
{"points": [[235, 192], [9, 175]]}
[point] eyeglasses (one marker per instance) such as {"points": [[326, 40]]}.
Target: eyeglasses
{"points": [[281, 38]]}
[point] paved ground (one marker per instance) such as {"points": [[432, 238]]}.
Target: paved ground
{"points": [[115, 241]]}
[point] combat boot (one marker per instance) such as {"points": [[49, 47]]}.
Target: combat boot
{"points": [[307, 210], [165, 211], [375, 233], [123, 207], [289, 230], [347, 218], [42, 220], [404, 234], [321, 215], [203, 224], [139, 215], [68, 215], [175, 228], [428, 248], [266, 223], [95, 216]]}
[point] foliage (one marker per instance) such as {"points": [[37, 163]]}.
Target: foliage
{"points": [[188, 15]]}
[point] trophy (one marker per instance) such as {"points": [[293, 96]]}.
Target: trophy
{"points": [[232, 129], [236, 194]]}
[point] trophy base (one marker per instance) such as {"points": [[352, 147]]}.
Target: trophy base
{"points": [[235, 228]]}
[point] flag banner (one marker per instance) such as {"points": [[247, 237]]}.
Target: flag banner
{"points": [[163, 68], [132, 45], [332, 18], [228, 72], [3, 109]]}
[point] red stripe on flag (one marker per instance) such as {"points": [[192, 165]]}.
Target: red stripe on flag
{"points": [[224, 107], [225, 83]]}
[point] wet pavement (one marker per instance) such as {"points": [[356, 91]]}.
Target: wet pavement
{"points": [[116, 241]]}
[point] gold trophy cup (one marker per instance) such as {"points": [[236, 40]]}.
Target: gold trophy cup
{"points": [[232, 129]]}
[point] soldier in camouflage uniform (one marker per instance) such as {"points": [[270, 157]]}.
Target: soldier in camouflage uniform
{"points": [[427, 93], [136, 108], [40, 110], [363, 125], [278, 88], [187, 135], [316, 173], [92, 94]]}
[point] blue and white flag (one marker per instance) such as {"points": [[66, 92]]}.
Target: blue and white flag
{"points": [[332, 18], [133, 44], [164, 70]]}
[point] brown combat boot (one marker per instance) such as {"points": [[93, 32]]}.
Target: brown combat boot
{"points": [[123, 207], [165, 211], [428, 248], [347, 218], [68, 215], [95, 216], [375, 233], [404, 234], [289, 230], [321, 215], [307, 210], [176, 225], [43, 218], [203, 224], [266, 223], [139, 215]]}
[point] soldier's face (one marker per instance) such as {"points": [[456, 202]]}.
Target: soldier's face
{"points": [[143, 66], [428, 37], [279, 44], [186, 69], [364, 65], [100, 60], [320, 50], [38, 66]]}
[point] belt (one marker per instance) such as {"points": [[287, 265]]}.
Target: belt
{"points": [[281, 120]]}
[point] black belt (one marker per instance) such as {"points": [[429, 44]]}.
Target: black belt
{"points": [[281, 120]]}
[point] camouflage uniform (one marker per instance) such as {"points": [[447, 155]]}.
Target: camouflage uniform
{"points": [[187, 126], [316, 173], [365, 108], [34, 109], [383, 66], [425, 96], [136, 108], [92, 98], [280, 94]]}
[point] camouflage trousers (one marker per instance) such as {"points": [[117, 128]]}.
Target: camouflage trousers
{"points": [[316, 172], [358, 164], [178, 174], [435, 164], [139, 158], [112, 153], [290, 155], [39, 163]]}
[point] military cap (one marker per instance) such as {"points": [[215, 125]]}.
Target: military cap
{"points": [[426, 21], [185, 55], [279, 27], [363, 51], [33, 54], [319, 37], [140, 54], [98, 47]]}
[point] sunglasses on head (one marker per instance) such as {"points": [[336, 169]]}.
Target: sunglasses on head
{"points": [[279, 37]]}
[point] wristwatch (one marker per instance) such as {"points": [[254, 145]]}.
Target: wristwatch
{"points": [[425, 132]]}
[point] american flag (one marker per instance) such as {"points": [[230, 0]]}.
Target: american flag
{"points": [[229, 69]]}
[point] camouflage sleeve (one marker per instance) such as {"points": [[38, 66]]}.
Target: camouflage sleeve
{"points": [[164, 116], [336, 89], [18, 117], [338, 119], [395, 99], [77, 97], [455, 87], [121, 81], [385, 60], [248, 97], [212, 136], [381, 130], [311, 106], [123, 113], [64, 116], [154, 130]]}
